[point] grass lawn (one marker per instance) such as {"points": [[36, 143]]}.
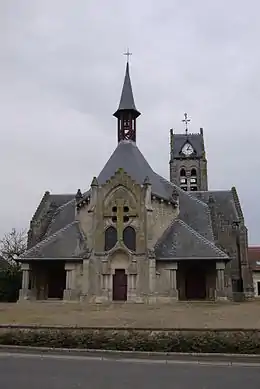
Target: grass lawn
{"points": [[180, 314]]}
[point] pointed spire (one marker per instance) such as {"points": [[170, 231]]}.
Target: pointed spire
{"points": [[127, 102]]}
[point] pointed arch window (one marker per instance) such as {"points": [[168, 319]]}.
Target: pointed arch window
{"points": [[183, 179], [193, 173], [193, 180], [129, 238], [110, 238]]}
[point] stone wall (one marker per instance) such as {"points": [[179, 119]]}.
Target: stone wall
{"points": [[161, 216]]}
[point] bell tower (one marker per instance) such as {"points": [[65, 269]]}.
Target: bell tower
{"points": [[127, 113], [188, 164]]}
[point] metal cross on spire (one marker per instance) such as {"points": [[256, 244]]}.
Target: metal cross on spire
{"points": [[128, 54], [186, 121]]}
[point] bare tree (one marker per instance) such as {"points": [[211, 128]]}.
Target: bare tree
{"points": [[12, 245]]}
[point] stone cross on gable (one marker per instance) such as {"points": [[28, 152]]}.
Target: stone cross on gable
{"points": [[120, 213]]}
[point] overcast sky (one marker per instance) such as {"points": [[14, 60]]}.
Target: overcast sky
{"points": [[61, 74]]}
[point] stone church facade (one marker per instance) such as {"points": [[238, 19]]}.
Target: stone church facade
{"points": [[135, 236]]}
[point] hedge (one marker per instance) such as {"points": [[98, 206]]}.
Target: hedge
{"points": [[10, 283], [235, 342]]}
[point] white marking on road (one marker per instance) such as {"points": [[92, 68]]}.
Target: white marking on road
{"points": [[128, 360]]}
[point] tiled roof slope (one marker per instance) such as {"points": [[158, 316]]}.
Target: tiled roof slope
{"points": [[62, 217], [193, 211], [68, 242], [223, 202], [128, 157], [181, 241], [56, 200]]}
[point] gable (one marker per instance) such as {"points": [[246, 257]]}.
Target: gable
{"points": [[180, 241], [67, 243]]}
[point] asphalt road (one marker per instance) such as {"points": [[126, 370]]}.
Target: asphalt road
{"points": [[64, 372]]}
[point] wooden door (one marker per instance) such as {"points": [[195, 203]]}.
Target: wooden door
{"points": [[119, 285]]}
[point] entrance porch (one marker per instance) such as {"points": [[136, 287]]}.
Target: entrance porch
{"points": [[200, 280], [47, 280]]}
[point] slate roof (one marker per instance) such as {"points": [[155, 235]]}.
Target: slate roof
{"points": [[223, 202], [180, 241], [179, 140], [193, 212], [128, 156], [56, 200], [67, 243], [62, 217]]}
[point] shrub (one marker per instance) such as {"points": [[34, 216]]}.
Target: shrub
{"points": [[237, 342], [10, 283]]}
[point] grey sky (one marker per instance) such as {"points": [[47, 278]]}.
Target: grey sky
{"points": [[61, 73]]}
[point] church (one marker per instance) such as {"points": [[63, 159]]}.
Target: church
{"points": [[134, 236]]}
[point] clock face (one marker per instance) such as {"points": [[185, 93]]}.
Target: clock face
{"points": [[187, 149]]}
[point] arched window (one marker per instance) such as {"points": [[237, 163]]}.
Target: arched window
{"points": [[129, 237], [193, 180], [110, 238], [183, 179], [183, 173]]}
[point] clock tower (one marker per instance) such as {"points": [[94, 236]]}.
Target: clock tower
{"points": [[188, 164]]}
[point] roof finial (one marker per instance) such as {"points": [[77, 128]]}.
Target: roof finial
{"points": [[127, 55], [186, 121]]}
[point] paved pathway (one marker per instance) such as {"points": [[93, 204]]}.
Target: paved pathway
{"points": [[64, 372]]}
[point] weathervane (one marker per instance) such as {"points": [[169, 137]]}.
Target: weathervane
{"points": [[128, 54], [186, 121]]}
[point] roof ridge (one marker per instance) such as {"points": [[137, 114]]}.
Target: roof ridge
{"points": [[49, 238], [62, 194], [63, 205], [214, 191], [202, 238], [237, 204], [57, 211]]}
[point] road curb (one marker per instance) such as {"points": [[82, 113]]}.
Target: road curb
{"points": [[113, 354]]}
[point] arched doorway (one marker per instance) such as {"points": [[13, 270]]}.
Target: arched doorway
{"points": [[119, 285]]}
